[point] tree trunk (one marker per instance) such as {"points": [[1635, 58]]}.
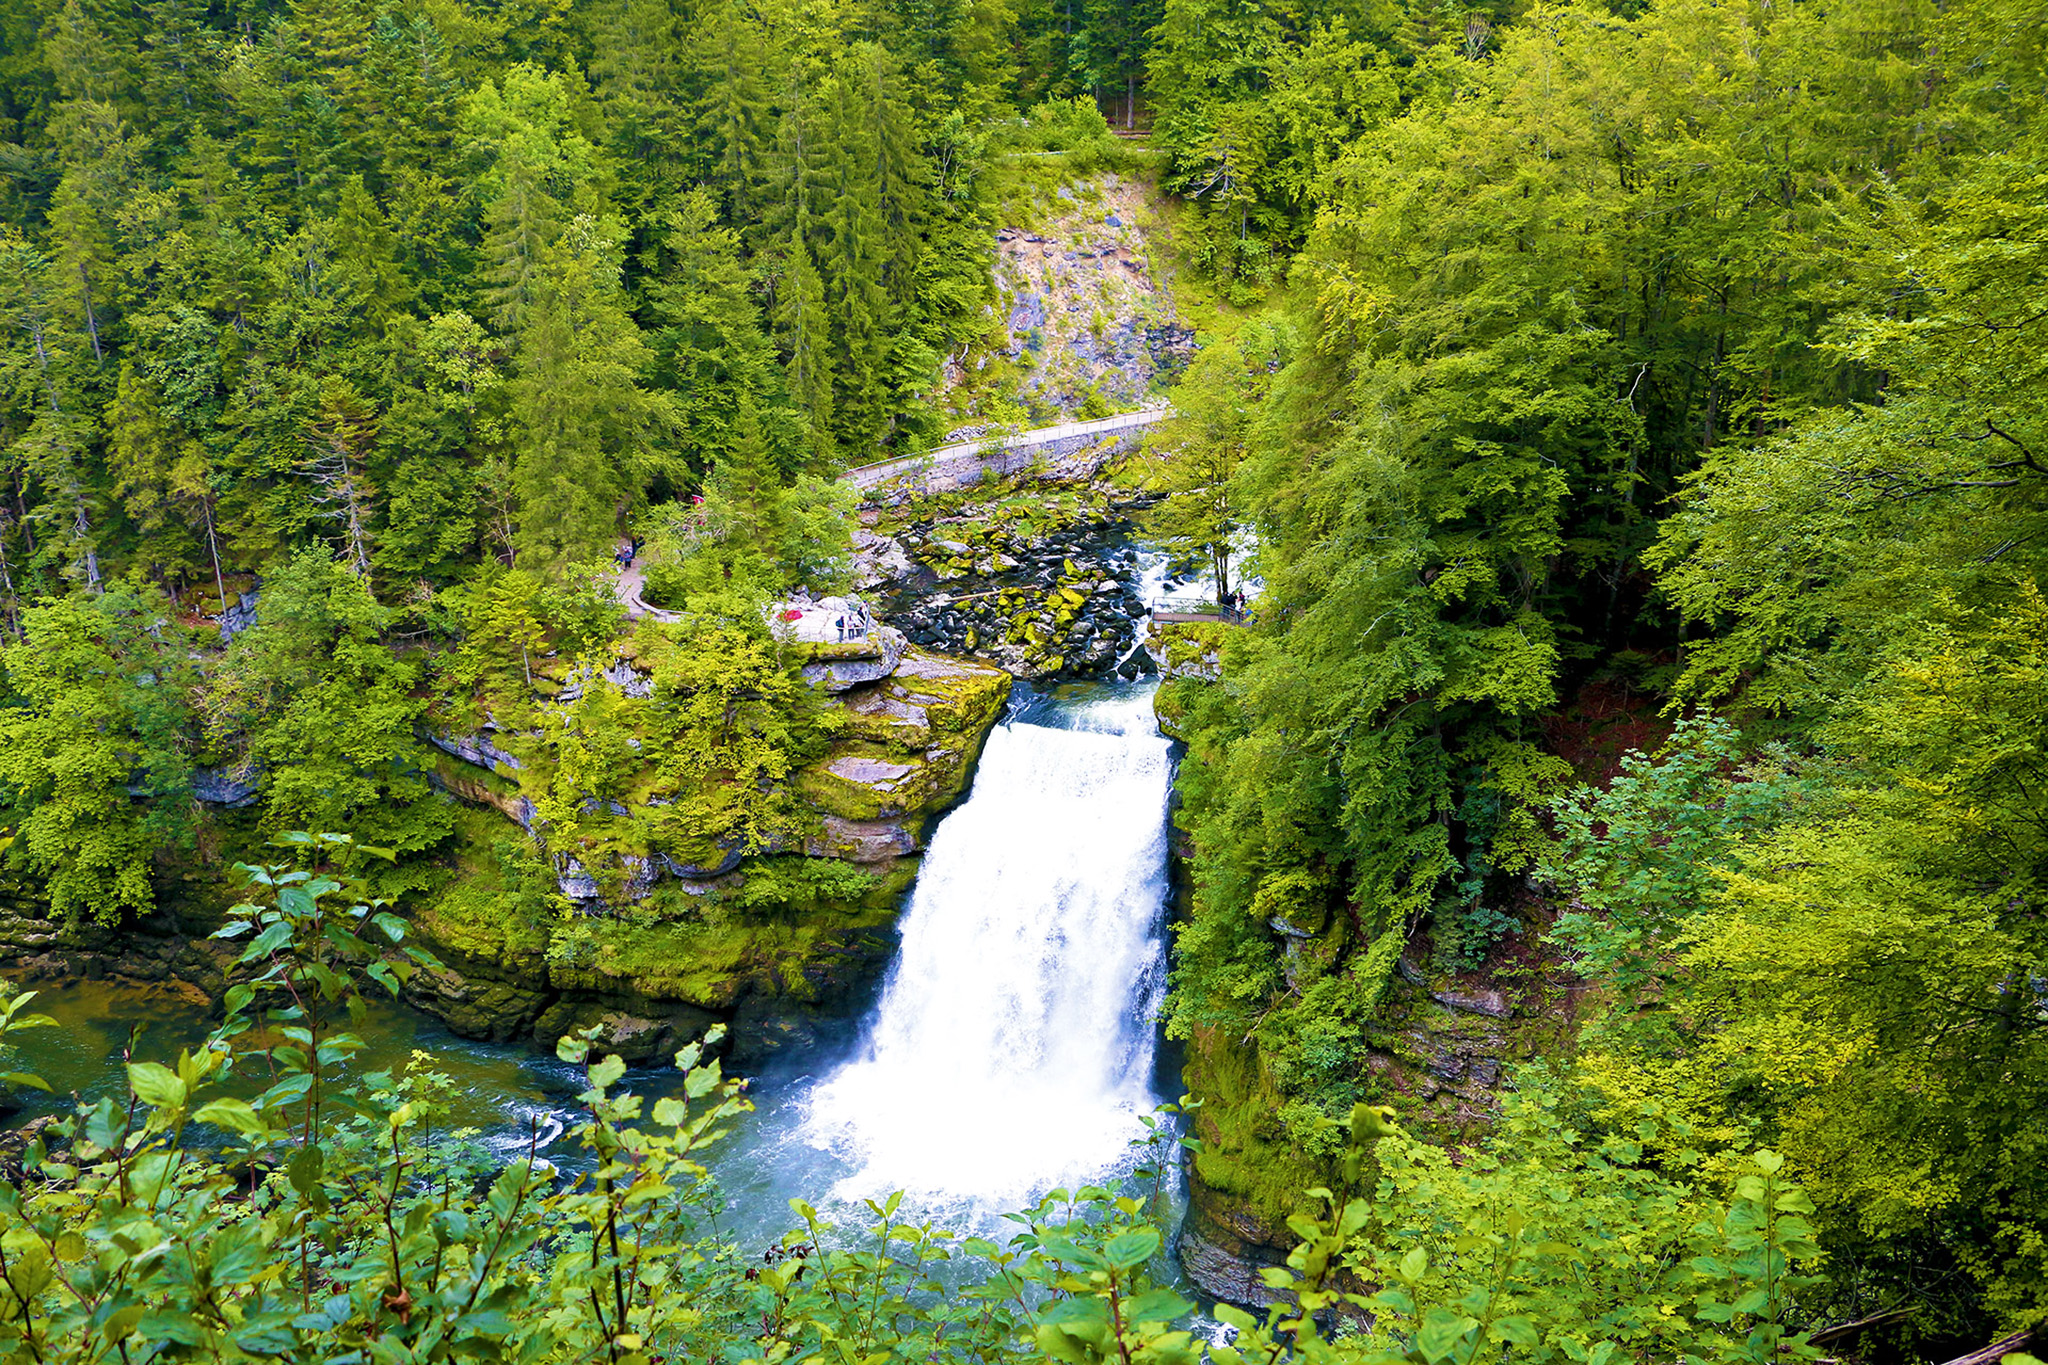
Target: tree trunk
{"points": [[213, 546]]}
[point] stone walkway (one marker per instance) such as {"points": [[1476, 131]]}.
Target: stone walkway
{"points": [[632, 581]]}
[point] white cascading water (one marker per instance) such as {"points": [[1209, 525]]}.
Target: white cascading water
{"points": [[1012, 1047]]}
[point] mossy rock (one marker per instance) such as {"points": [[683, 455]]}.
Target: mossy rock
{"points": [[1170, 706], [864, 783], [896, 725], [479, 787], [710, 966], [875, 773], [476, 914], [703, 965], [958, 697], [1190, 649], [825, 651], [1247, 1157]]}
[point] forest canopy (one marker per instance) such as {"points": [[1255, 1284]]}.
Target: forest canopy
{"points": [[1669, 369]]}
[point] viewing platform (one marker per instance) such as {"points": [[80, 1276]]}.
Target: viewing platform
{"points": [[1178, 610]]}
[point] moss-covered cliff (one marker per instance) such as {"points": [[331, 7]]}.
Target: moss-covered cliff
{"points": [[664, 836], [624, 916], [1326, 1016]]}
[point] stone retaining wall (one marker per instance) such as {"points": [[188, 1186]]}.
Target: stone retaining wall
{"points": [[966, 464]]}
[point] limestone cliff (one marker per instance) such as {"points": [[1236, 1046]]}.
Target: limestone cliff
{"points": [[776, 943]]}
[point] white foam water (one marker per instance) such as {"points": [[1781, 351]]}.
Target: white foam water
{"points": [[1012, 1047]]}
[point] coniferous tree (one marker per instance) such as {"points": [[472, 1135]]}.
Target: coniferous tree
{"points": [[105, 690], [587, 433], [730, 69]]}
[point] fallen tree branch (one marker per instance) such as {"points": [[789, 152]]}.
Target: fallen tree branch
{"points": [[1998, 1350], [1849, 1329]]}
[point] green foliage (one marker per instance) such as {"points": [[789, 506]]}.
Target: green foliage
{"points": [[1550, 1245], [697, 769], [1255, 105], [1192, 460], [13, 1020], [749, 539], [777, 884], [733, 721], [95, 754], [1885, 956], [314, 700], [1601, 269], [334, 1210], [514, 621], [1637, 859], [1811, 553]]}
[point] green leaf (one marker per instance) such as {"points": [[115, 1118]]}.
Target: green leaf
{"points": [[23, 1078], [702, 1080], [1442, 1331], [1395, 1300], [269, 941], [1132, 1248], [304, 1169], [1415, 1264], [1516, 1331], [156, 1085], [232, 1114], [1234, 1317], [1156, 1305]]}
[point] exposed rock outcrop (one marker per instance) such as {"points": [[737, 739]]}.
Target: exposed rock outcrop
{"points": [[1036, 581], [1084, 315], [653, 970], [876, 660], [1437, 1050]]}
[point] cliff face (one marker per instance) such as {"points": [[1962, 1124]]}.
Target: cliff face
{"points": [[1086, 321], [1436, 1050], [1433, 1044], [779, 945]]}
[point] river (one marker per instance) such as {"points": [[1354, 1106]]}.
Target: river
{"points": [[1013, 1047]]}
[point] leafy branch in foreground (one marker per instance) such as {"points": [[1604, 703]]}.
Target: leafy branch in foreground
{"points": [[256, 1199], [1548, 1246]]}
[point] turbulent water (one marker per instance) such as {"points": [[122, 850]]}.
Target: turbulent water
{"points": [[1012, 1048]]}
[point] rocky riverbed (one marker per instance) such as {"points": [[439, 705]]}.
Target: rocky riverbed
{"points": [[1040, 580]]}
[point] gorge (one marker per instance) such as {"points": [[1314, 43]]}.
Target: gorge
{"points": [[1012, 1046]]}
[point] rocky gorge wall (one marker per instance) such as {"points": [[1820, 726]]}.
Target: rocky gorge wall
{"points": [[777, 945], [1436, 1046]]}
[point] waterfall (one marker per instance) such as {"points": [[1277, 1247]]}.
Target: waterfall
{"points": [[1012, 1046]]}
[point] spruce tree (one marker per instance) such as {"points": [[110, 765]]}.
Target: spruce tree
{"points": [[587, 432]]}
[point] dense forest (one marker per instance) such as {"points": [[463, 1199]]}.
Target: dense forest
{"points": [[1630, 415], [1686, 364]]}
